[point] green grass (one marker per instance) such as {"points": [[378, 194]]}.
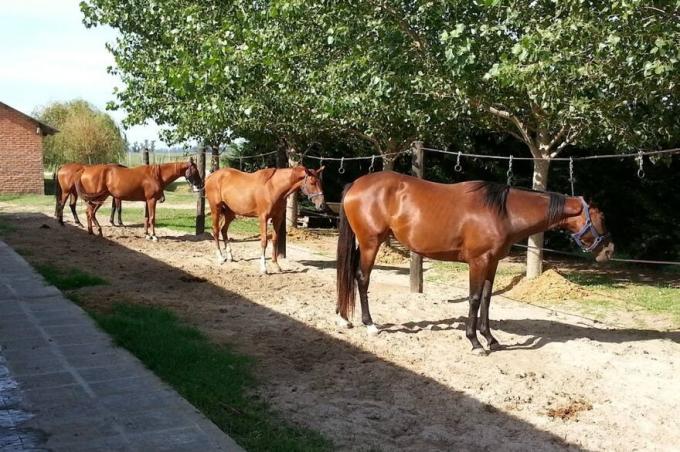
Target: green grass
{"points": [[26, 199], [68, 279], [655, 298], [6, 228], [211, 377]]}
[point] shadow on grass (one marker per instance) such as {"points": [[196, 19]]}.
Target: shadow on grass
{"points": [[377, 404]]}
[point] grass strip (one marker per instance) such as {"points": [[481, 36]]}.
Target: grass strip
{"points": [[214, 379], [68, 279]]}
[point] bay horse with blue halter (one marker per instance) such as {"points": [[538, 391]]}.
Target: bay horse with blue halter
{"points": [[261, 194], [473, 222]]}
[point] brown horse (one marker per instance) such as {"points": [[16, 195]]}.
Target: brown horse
{"points": [[142, 183], [472, 222], [261, 194], [65, 187]]}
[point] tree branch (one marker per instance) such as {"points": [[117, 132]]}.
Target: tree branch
{"points": [[556, 139]]}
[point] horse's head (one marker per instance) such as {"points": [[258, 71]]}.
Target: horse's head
{"points": [[590, 233], [311, 187], [192, 175]]}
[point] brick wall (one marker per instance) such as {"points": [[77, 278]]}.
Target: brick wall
{"points": [[21, 157]]}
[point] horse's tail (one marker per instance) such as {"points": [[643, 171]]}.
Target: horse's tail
{"points": [[57, 193], [281, 239], [347, 262]]}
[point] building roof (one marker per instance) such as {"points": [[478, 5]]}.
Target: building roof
{"points": [[45, 129]]}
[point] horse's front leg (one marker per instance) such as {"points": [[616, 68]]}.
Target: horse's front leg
{"points": [[151, 221], [113, 211], [93, 215], [88, 214], [478, 272], [119, 206], [263, 243], [277, 221], [484, 327]]}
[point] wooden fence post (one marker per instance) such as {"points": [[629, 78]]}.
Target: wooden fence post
{"points": [[416, 270], [200, 203]]}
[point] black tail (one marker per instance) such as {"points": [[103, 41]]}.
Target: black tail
{"points": [[57, 195], [347, 262], [281, 240]]}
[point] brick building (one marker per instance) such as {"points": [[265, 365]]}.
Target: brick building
{"points": [[21, 151]]}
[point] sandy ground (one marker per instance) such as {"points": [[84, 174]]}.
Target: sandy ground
{"points": [[562, 381]]}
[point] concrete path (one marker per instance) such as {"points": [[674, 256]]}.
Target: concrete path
{"points": [[65, 387]]}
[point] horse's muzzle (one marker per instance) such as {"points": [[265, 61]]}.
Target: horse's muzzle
{"points": [[606, 253]]}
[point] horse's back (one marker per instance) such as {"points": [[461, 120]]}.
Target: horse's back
{"points": [[425, 216], [237, 190]]}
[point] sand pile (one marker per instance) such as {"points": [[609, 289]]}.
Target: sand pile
{"points": [[550, 286], [391, 255]]}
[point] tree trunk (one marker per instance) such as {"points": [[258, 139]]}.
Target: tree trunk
{"points": [[292, 201], [535, 256], [388, 162]]}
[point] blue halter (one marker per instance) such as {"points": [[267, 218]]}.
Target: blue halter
{"points": [[588, 227]]}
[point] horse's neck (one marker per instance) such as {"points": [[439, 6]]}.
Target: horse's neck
{"points": [[284, 182], [528, 213], [169, 172]]}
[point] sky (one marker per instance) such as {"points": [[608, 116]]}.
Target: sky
{"points": [[47, 54]]}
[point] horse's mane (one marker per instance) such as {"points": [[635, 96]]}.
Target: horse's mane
{"points": [[496, 198]]}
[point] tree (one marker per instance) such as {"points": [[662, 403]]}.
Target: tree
{"points": [[87, 135]]}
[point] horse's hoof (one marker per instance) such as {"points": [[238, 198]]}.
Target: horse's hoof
{"points": [[478, 351], [495, 346], [372, 330], [154, 238], [147, 236], [277, 268], [343, 323]]}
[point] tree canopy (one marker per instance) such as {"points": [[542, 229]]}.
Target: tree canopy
{"points": [[86, 134]]}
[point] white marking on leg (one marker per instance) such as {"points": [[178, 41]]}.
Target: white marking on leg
{"points": [[154, 238], [220, 258], [263, 264], [372, 330], [343, 323]]}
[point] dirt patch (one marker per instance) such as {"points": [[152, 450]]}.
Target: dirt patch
{"points": [[570, 411], [550, 286]]}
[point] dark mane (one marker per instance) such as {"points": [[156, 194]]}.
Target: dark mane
{"points": [[495, 195], [496, 198]]}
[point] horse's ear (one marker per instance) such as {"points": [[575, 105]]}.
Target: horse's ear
{"points": [[307, 171], [320, 169]]}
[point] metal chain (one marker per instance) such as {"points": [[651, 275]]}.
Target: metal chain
{"points": [[509, 172], [641, 169], [458, 168], [341, 170], [571, 175], [372, 167]]}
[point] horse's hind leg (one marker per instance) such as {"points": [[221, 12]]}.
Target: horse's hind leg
{"points": [[368, 250], [72, 204], [89, 217]]}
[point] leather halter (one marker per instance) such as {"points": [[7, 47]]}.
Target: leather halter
{"points": [[306, 192], [588, 227]]}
